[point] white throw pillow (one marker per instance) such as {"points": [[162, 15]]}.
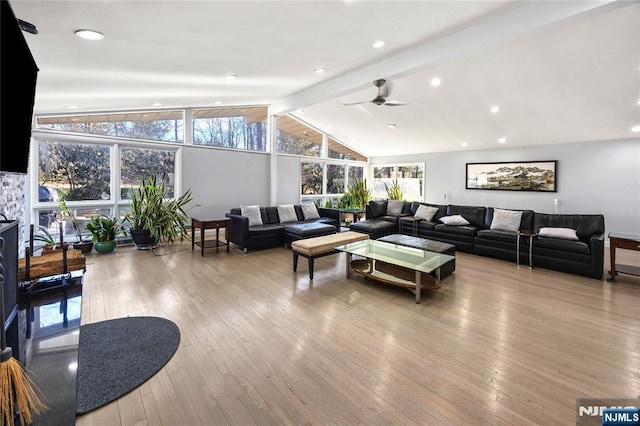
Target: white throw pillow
{"points": [[287, 213], [310, 211], [253, 213], [394, 207], [425, 212], [506, 220], [456, 219], [563, 233]]}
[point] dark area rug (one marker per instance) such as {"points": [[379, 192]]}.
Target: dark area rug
{"points": [[116, 356]]}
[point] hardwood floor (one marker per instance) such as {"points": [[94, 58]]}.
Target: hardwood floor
{"points": [[261, 344]]}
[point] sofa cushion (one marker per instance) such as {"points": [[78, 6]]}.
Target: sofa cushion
{"points": [[266, 229], [586, 225], [378, 208], [286, 213], [455, 219], [425, 212], [562, 233], [506, 220], [465, 230], [561, 245], [474, 215], [310, 211], [497, 235], [394, 207], [253, 213]]}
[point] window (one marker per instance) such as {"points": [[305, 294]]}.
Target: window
{"points": [[311, 178], [239, 128], [340, 151], [153, 125], [335, 178], [355, 172], [82, 171], [297, 138], [410, 178], [137, 164]]}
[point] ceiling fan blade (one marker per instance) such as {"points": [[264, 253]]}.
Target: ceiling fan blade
{"points": [[395, 103], [355, 103]]}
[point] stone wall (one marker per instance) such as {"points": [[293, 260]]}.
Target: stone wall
{"points": [[12, 202]]}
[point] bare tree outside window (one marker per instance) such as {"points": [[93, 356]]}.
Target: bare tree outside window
{"points": [[137, 164]]}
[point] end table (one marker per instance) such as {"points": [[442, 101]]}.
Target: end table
{"points": [[531, 236], [204, 224]]}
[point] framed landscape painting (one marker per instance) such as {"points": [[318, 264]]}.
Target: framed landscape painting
{"points": [[517, 176]]}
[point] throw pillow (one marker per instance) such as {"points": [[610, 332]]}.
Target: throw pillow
{"points": [[563, 233], [456, 219], [310, 211], [425, 212], [253, 213], [506, 220], [287, 213], [394, 207]]}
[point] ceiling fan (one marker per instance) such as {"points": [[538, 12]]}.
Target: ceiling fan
{"points": [[384, 88]]}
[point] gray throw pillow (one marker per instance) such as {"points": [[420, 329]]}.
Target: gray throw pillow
{"points": [[253, 213], [287, 213], [506, 220], [310, 211], [562, 233], [425, 212], [394, 207], [455, 219]]}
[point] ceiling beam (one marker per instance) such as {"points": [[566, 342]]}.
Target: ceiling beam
{"points": [[522, 18]]}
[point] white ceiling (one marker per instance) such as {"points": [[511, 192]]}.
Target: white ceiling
{"points": [[562, 71]]}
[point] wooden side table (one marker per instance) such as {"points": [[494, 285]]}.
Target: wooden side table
{"points": [[203, 224], [626, 242]]}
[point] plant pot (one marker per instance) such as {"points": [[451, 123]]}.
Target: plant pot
{"points": [[84, 246], [105, 246], [142, 239]]}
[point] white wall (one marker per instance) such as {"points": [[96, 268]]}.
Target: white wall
{"points": [[592, 177], [288, 180], [222, 179]]}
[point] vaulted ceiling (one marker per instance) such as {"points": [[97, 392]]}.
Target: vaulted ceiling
{"points": [[561, 71]]}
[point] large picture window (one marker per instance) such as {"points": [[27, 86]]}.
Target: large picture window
{"points": [[238, 128], [410, 178], [137, 164]]}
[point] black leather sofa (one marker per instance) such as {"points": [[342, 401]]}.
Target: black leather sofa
{"points": [[272, 233], [584, 256]]}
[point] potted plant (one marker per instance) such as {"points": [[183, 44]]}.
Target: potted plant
{"points": [[85, 246], [359, 194], [44, 236], [153, 219], [104, 230], [393, 191]]}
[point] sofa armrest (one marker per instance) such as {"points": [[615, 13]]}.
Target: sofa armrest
{"points": [[239, 232], [331, 214], [596, 247]]}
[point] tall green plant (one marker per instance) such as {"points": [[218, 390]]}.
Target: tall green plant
{"points": [[166, 219], [393, 191], [359, 193]]}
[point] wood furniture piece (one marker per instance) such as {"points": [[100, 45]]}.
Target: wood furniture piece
{"points": [[393, 264], [531, 236], [205, 224], [626, 242], [315, 247]]}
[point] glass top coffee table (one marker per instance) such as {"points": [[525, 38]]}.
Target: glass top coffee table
{"points": [[396, 265]]}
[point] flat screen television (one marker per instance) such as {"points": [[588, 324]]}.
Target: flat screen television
{"points": [[18, 74]]}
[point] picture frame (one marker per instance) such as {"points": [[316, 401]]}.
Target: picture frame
{"points": [[532, 176]]}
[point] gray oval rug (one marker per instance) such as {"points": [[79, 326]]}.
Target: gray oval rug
{"points": [[118, 355]]}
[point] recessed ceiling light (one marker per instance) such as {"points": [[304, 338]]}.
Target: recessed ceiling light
{"points": [[89, 34], [503, 140], [72, 106], [436, 82], [156, 104], [495, 109], [378, 44], [391, 126], [319, 70], [464, 144], [231, 77], [217, 102], [635, 129]]}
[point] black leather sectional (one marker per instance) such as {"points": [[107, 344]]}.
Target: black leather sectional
{"points": [[272, 233], [584, 256]]}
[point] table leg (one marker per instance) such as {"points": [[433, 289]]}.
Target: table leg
{"points": [[193, 235], [612, 259], [518, 251], [226, 236], [531, 252], [349, 265], [217, 238], [202, 241], [419, 286]]}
